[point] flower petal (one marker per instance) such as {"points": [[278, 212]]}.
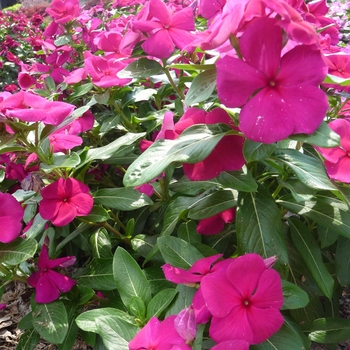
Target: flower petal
{"points": [[159, 44], [63, 283], [46, 289]]}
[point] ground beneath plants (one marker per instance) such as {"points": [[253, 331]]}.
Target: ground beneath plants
{"points": [[17, 298]]}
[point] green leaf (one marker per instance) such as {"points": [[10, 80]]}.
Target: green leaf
{"points": [[19, 250], [324, 136], [334, 79], [192, 188], [98, 275], [61, 161], [213, 204], [137, 308], [342, 261], [69, 340], [254, 151], [156, 279], [289, 337], [329, 330], [202, 87], [326, 211], [327, 237], [141, 68], [178, 252], [29, 339], [37, 227], [97, 214], [182, 300], [129, 278], [51, 322], [306, 246], [160, 302], [101, 244], [80, 91], [240, 180], [293, 296], [125, 199], [259, 226], [187, 232], [192, 146], [115, 327], [307, 169], [63, 40], [106, 152]]}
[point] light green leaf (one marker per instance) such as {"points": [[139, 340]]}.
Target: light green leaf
{"points": [[307, 169], [324, 136], [19, 250], [129, 278], [121, 198], [141, 68], [329, 330], [51, 322], [334, 79], [101, 244], [61, 161], [37, 227], [192, 146], [115, 327], [311, 254], [202, 87], [178, 252]]}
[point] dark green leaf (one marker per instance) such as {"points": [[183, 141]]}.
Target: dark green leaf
{"points": [[121, 198], [293, 296], [101, 244], [259, 226], [160, 302], [254, 151], [97, 214], [29, 339], [342, 261], [177, 252], [192, 146], [307, 247], [182, 300], [240, 180]]}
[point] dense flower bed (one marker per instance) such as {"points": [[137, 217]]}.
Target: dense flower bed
{"points": [[175, 175]]}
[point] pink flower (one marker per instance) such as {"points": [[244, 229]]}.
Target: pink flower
{"points": [[166, 29], [49, 283], [33, 108], [226, 156], [158, 335], [232, 345], [63, 11], [62, 141], [215, 224], [279, 96], [194, 274], [185, 324], [103, 72], [11, 214], [244, 300], [337, 159], [65, 199]]}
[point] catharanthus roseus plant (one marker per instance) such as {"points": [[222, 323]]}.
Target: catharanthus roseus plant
{"points": [[174, 174]]}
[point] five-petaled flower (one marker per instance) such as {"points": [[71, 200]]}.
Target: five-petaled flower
{"points": [[11, 214], [65, 199], [279, 96], [50, 283]]}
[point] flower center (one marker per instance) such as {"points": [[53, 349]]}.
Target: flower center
{"points": [[272, 83], [246, 303]]}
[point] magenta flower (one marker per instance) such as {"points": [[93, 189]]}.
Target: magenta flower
{"points": [[232, 345], [158, 335], [244, 300], [65, 199], [166, 30], [337, 159], [63, 11], [11, 215], [279, 96], [49, 283], [2, 306], [215, 224], [226, 156]]}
